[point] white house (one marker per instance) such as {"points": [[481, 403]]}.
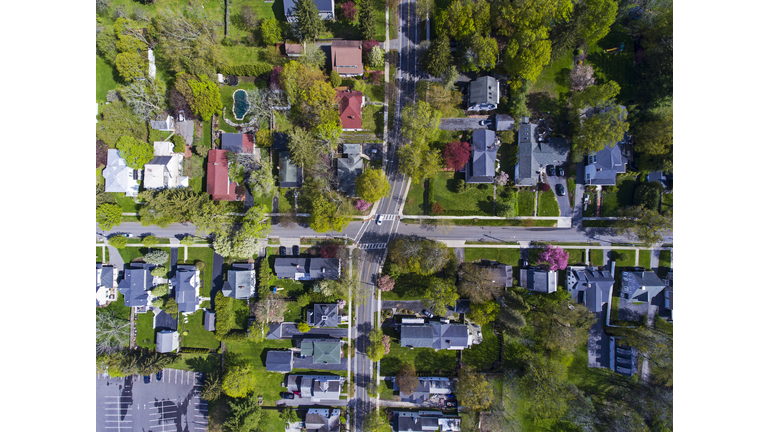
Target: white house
{"points": [[164, 171]]}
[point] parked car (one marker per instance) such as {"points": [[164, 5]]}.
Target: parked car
{"points": [[181, 115], [486, 122], [286, 395], [378, 220], [126, 235], [560, 189], [159, 376], [428, 313], [296, 250], [560, 171], [147, 379], [550, 170], [523, 263], [282, 250]]}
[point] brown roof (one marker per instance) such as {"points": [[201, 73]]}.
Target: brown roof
{"points": [[347, 57], [295, 49], [219, 186]]}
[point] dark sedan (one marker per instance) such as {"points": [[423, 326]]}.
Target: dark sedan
{"points": [[560, 171], [550, 170], [282, 250], [296, 250], [560, 190], [286, 395]]}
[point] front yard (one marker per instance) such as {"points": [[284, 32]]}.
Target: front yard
{"points": [[204, 254], [525, 200], [596, 257], [509, 256], [627, 254], [547, 205], [474, 201], [645, 259], [622, 195]]}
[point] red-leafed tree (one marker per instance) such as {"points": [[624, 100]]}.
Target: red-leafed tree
{"points": [[556, 257], [349, 11], [457, 154], [368, 46], [386, 283], [329, 250], [274, 78]]}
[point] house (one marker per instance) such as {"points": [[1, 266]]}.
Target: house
{"points": [[659, 176], [164, 321], [322, 351], [536, 150], [668, 293], [219, 185], [316, 387], [166, 125], [279, 361], [186, 287], [167, 341], [292, 50], [427, 387], [322, 420], [119, 177], [307, 268], [347, 57], [351, 105], [409, 421], [290, 175], [502, 272], [435, 334], [164, 170], [589, 286], [503, 122], [640, 286], [136, 286], [325, 8], [538, 280], [106, 284], [238, 143], [241, 281], [323, 315], [483, 94], [601, 167], [349, 168], [481, 167], [209, 320], [623, 358]]}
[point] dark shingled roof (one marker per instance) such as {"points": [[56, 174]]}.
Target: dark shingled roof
{"points": [[241, 281], [481, 168], [532, 156], [602, 167], [640, 285], [185, 282], [279, 361], [164, 321], [590, 286], [107, 276], [484, 92], [434, 335], [323, 315], [349, 168], [538, 280], [135, 284], [307, 268]]}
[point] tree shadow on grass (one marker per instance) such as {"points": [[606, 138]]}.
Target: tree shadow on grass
{"points": [[437, 363], [390, 365], [206, 364]]}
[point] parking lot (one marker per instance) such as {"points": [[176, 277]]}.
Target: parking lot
{"points": [[172, 404]]}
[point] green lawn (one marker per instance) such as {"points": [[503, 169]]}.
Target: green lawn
{"points": [[622, 196], [630, 257], [105, 79], [547, 205], [118, 308], [554, 78], [198, 337], [596, 257], [205, 363], [425, 360], [615, 66], [126, 203], [99, 258], [645, 259], [575, 256], [373, 119], [509, 256], [596, 382], [525, 200], [474, 201], [145, 334], [204, 254], [666, 204], [255, 354], [408, 286], [665, 262], [483, 355], [130, 253], [414, 202]]}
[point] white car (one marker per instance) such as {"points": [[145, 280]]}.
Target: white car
{"points": [[378, 220]]}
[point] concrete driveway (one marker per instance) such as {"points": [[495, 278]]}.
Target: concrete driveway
{"points": [[462, 124], [562, 201]]}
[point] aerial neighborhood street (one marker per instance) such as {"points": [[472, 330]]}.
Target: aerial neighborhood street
{"points": [[384, 215]]}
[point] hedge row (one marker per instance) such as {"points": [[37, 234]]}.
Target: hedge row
{"points": [[430, 195], [246, 70], [195, 350]]}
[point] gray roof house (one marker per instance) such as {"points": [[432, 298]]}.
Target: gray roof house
{"points": [[290, 174], [322, 351], [316, 387], [325, 9], [640, 286], [209, 320], [427, 387], [119, 177], [589, 286], [539, 280], [241, 281], [307, 268], [136, 285], [435, 335], [323, 315], [322, 420], [503, 273], [601, 167], [186, 287], [106, 282], [481, 167], [535, 151], [167, 341], [503, 122], [279, 361], [668, 293], [657, 176], [163, 125], [409, 421], [349, 168], [483, 94]]}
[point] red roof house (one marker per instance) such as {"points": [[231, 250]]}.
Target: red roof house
{"points": [[350, 109], [219, 186], [347, 57]]}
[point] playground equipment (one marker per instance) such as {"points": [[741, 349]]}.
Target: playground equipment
{"points": [[617, 48]]}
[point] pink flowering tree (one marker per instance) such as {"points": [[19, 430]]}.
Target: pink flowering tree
{"points": [[368, 46], [556, 257], [386, 283], [501, 179], [349, 11], [386, 340], [362, 205]]}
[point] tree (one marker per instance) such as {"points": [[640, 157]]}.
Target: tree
{"points": [[654, 135], [525, 57], [117, 121], [582, 76], [159, 272], [420, 122], [109, 215], [602, 129], [224, 314], [456, 20], [296, 78], [376, 421], [645, 225], [211, 390], [260, 182], [386, 283], [420, 256], [376, 57], [130, 66], [418, 161], [156, 257], [308, 19], [479, 284], [289, 416], [425, 9], [327, 287], [244, 415], [239, 381], [303, 300], [187, 38], [406, 379], [375, 350], [206, 96], [303, 327], [599, 96], [349, 11], [303, 147], [555, 257], [329, 133], [366, 20], [482, 54], [648, 195], [313, 57], [118, 241], [323, 216], [438, 57], [511, 318], [372, 185], [456, 155], [318, 104], [559, 325], [334, 76], [270, 31], [443, 97], [135, 152], [544, 383], [170, 306], [160, 290], [502, 179], [150, 241], [112, 333], [483, 313], [440, 294], [474, 391]]}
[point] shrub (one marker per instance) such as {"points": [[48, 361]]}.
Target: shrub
{"points": [[195, 350], [246, 70], [386, 283], [156, 257], [188, 241], [150, 241], [437, 208], [303, 327], [483, 186], [118, 242], [544, 187], [368, 46], [108, 216], [362, 205], [335, 79], [159, 272], [178, 144], [233, 336], [200, 265], [160, 290], [303, 300]]}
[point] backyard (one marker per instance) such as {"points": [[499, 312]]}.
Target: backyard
{"points": [[255, 354], [145, 333], [482, 356], [554, 78], [197, 336], [617, 65], [622, 195]]}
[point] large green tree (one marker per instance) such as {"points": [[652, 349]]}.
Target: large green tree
{"points": [[131, 65], [603, 128], [474, 391], [477, 283], [545, 385], [438, 57], [188, 38], [244, 415], [308, 19], [271, 33], [376, 421], [324, 215], [109, 215], [647, 226], [239, 381], [419, 161], [303, 147], [653, 135], [375, 350], [372, 185], [135, 152], [202, 94], [441, 294], [366, 19], [118, 120]]}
